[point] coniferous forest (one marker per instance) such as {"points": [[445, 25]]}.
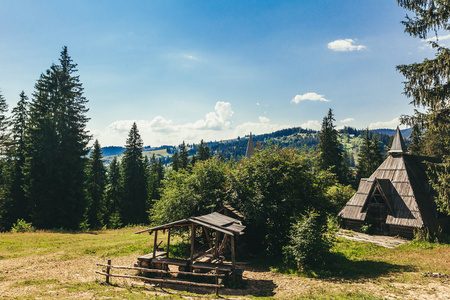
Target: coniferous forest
{"points": [[51, 177]]}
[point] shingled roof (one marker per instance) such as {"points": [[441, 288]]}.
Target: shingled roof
{"points": [[402, 182]]}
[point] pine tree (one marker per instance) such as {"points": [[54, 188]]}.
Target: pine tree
{"points": [[156, 176], [416, 136], [184, 160], [56, 148], [175, 161], [114, 195], [370, 156], [203, 152], [6, 203], [96, 184], [19, 115], [331, 155], [428, 86], [134, 209]]}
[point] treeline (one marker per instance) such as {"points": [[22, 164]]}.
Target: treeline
{"points": [[48, 175]]}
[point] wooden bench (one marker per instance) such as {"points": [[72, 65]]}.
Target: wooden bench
{"points": [[145, 260], [205, 266], [162, 263]]}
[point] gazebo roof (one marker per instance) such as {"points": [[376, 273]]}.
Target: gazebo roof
{"points": [[214, 221]]}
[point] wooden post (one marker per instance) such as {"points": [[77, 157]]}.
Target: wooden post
{"points": [[192, 243], [168, 242], [216, 245], [154, 244], [162, 275], [217, 281], [108, 270], [233, 259]]}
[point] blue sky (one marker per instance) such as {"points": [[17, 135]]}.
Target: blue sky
{"points": [[212, 70]]}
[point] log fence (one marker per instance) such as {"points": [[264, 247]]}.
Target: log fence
{"points": [[162, 280]]}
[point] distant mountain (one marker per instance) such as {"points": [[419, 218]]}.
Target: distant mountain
{"points": [[112, 150], [390, 132], [297, 137]]}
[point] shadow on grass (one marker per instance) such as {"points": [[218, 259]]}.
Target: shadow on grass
{"points": [[338, 267]]}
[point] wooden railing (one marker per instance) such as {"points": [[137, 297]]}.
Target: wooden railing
{"points": [[162, 272]]}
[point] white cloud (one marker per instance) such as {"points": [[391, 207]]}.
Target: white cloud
{"points": [[309, 97], [264, 119], [264, 126], [311, 124], [440, 38], [347, 120], [345, 46], [386, 124]]}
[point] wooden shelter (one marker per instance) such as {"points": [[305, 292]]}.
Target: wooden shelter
{"points": [[397, 198], [219, 231]]}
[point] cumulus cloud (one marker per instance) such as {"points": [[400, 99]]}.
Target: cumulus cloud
{"points": [[386, 124], [347, 120], [263, 126], [309, 97], [264, 119], [345, 46], [311, 124]]}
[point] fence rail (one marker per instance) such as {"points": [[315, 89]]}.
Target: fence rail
{"points": [[162, 280]]}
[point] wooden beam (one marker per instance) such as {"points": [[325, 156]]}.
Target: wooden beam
{"points": [[168, 242], [222, 245], [192, 243], [205, 230], [154, 244], [233, 259], [216, 245]]}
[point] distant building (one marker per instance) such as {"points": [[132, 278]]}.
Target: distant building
{"points": [[397, 198], [250, 147]]}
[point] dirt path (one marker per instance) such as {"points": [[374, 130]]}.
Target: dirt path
{"points": [[380, 240]]}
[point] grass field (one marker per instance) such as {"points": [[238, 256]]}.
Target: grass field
{"points": [[47, 265]]}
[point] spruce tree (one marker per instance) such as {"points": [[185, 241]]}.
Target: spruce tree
{"points": [[19, 115], [175, 161], [96, 184], [56, 148], [203, 152], [428, 87], [6, 203], [156, 176], [370, 156], [134, 208], [114, 195], [416, 136], [184, 160], [331, 155]]}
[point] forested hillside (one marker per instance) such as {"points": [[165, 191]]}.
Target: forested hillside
{"points": [[296, 137]]}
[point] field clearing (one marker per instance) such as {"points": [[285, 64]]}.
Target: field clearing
{"points": [[44, 265]]}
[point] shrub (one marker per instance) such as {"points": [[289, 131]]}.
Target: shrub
{"points": [[22, 226], [309, 243]]}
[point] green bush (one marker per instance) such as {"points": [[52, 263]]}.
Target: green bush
{"points": [[309, 244], [22, 226]]}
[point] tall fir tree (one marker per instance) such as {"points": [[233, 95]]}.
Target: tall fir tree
{"points": [[6, 202], [427, 85], [184, 160], [176, 161], [114, 194], [332, 156], [203, 151], [134, 202], [156, 176], [96, 184], [415, 146], [56, 148], [370, 156], [19, 116]]}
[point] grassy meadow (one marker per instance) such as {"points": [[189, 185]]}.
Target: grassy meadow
{"points": [[61, 265]]}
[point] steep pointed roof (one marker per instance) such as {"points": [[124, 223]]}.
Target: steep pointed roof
{"points": [[403, 183], [398, 145], [250, 147]]}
